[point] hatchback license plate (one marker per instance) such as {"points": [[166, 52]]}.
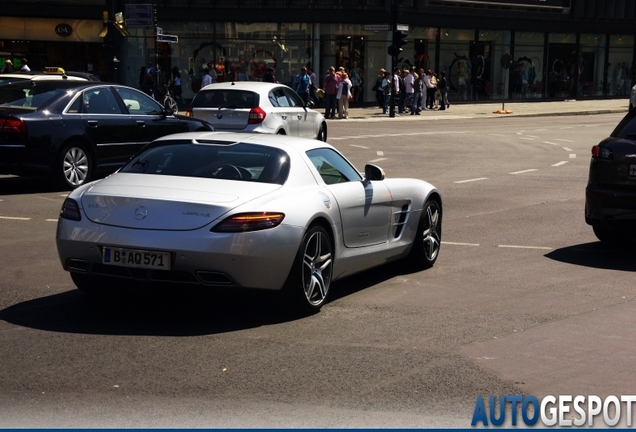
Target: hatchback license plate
{"points": [[632, 170], [136, 258]]}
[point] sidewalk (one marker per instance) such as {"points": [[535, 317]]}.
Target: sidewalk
{"points": [[494, 110]]}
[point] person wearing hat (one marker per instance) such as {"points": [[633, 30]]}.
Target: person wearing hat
{"points": [[8, 67]]}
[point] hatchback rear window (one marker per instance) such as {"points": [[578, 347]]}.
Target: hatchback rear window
{"points": [[237, 161], [626, 127], [225, 98]]}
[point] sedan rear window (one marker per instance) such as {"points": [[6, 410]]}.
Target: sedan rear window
{"points": [[225, 98], [244, 162], [31, 94]]}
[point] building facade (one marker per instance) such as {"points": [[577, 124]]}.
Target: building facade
{"points": [[490, 49]]}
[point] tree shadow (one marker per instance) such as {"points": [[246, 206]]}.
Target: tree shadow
{"points": [[597, 255]]}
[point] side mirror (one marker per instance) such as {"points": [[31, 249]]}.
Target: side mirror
{"points": [[373, 172]]}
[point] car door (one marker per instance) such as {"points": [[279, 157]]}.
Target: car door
{"points": [[148, 116], [110, 130], [283, 109], [365, 206], [304, 117]]}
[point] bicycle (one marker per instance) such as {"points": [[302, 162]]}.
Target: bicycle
{"points": [[168, 100]]}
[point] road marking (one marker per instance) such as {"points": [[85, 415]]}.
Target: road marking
{"points": [[560, 163], [50, 220], [564, 140], [359, 146], [15, 218], [527, 139], [400, 135], [572, 155], [502, 135], [525, 247], [551, 143], [540, 130], [460, 244], [524, 171], [567, 127], [568, 149], [378, 160], [472, 180], [380, 153], [532, 136]]}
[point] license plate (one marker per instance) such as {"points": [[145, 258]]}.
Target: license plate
{"points": [[632, 170], [136, 258]]}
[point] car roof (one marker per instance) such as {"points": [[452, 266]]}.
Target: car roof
{"points": [[256, 86], [38, 75], [283, 142]]}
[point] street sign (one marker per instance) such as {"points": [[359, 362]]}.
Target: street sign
{"points": [[139, 15], [376, 27], [167, 38], [402, 27]]}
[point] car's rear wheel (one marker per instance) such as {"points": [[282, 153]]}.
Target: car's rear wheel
{"points": [[616, 236], [74, 166], [428, 239], [322, 133], [309, 280]]}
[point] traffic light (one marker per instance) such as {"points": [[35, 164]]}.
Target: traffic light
{"points": [[399, 40]]}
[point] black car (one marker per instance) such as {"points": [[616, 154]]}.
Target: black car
{"points": [[72, 130], [610, 196]]}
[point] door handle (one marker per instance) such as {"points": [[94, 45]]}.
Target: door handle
{"points": [[284, 116], [93, 123], [300, 117], [141, 123]]}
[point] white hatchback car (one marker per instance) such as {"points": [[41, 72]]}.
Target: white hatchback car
{"points": [[253, 106]]}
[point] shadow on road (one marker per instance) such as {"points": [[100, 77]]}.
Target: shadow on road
{"points": [[597, 255], [10, 185]]}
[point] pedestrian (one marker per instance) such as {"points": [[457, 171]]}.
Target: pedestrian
{"points": [[355, 75], [442, 85], [409, 80], [269, 75], [417, 94], [344, 95], [425, 84], [377, 87], [8, 67], [401, 74], [212, 72], [331, 82], [313, 87], [396, 87], [386, 88], [175, 84], [301, 84], [207, 79], [25, 66], [432, 89], [220, 69]]}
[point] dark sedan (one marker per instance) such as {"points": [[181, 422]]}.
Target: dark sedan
{"points": [[610, 196], [73, 130]]}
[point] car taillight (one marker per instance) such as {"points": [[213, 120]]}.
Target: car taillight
{"points": [[70, 210], [257, 115], [244, 222], [12, 126], [601, 152]]}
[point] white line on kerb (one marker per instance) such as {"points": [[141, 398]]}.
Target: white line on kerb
{"points": [[560, 163], [359, 146], [471, 180], [525, 247], [460, 244], [14, 218], [378, 160], [566, 148], [524, 171], [551, 143], [572, 155]]}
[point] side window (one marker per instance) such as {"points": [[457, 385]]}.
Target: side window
{"points": [[76, 106], [101, 101], [281, 99], [293, 97], [272, 99], [138, 103], [332, 167]]}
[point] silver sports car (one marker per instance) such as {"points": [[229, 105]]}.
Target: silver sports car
{"points": [[221, 209]]}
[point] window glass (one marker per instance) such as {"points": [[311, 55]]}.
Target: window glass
{"points": [[225, 98], [332, 167], [281, 98], [293, 97], [101, 101], [138, 103]]}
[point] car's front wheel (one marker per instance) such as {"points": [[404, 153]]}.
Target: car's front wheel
{"points": [[322, 133], [74, 166], [309, 280], [428, 239]]}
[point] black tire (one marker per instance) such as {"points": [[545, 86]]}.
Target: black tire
{"points": [[322, 133], [428, 239], [309, 280], [74, 166], [611, 235]]}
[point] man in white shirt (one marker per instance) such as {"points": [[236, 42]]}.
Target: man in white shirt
{"points": [[207, 79], [409, 79], [25, 67]]}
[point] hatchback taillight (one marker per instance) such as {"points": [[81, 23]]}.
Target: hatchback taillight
{"points": [[8, 125], [70, 210], [257, 115], [601, 152]]}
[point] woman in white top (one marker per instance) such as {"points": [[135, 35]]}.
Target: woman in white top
{"points": [[344, 93]]}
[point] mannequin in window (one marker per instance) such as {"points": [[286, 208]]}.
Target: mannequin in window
{"points": [[220, 70]]}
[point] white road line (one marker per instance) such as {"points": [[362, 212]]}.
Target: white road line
{"points": [[564, 140], [567, 127], [400, 135], [528, 139], [460, 244], [540, 130], [551, 143], [471, 180], [378, 160], [525, 247], [380, 153], [524, 171], [502, 135], [568, 149], [520, 132], [572, 155], [532, 136], [50, 220], [560, 163], [359, 146], [15, 218]]}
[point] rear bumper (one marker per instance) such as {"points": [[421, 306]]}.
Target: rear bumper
{"points": [[609, 204], [15, 159]]}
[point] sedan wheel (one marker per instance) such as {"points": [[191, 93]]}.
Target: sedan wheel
{"points": [[428, 238], [310, 278], [75, 166]]}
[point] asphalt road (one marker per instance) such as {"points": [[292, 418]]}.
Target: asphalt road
{"points": [[522, 300]]}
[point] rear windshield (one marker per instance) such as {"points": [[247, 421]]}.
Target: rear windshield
{"points": [[32, 94], [225, 98], [626, 127], [243, 162]]}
